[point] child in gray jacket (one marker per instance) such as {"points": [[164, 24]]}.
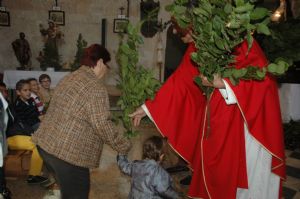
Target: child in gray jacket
{"points": [[149, 180]]}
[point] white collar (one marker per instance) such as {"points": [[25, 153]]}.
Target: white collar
{"points": [[4, 102]]}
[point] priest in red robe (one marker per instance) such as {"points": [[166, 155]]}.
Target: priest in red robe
{"points": [[235, 151]]}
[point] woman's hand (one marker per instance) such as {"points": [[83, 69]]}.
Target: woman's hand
{"points": [[217, 82], [137, 115]]}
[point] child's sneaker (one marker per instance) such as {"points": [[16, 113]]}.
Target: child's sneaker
{"points": [[36, 179], [6, 194]]}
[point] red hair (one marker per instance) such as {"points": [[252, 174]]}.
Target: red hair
{"points": [[93, 53]]}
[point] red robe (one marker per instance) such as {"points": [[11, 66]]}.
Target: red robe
{"points": [[219, 159], [178, 109]]}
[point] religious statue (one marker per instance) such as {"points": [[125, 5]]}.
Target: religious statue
{"points": [[52, 36], [22, 51]]}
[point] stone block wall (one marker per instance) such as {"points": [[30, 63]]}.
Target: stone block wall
{"points": [[80, 17]]}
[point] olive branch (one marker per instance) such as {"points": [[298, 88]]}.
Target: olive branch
{"points": [[136, 83], [218, 27]]}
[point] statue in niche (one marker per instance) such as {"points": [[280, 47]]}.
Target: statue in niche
{"points": [[52, 37], [22, 51]]}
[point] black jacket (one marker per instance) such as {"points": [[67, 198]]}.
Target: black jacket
{"points": [[26, 112], [21, 118]]}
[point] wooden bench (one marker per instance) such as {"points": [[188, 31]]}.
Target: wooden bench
{"points": [[17, 163]]}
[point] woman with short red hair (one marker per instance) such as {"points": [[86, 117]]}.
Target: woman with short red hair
{"points": [[77, 124]]}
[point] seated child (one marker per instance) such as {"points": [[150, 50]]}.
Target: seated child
{"points": [[45, 90], [35, 95], [149, 179], [24, 114], [25, 107]]}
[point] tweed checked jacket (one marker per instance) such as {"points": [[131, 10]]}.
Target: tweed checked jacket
{"points": [[77, 123]]}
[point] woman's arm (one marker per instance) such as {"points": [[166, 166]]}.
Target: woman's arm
{"points": [[99, 118]]}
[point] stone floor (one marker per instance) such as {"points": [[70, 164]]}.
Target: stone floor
{"points": [[291, 188], [108, 183]]}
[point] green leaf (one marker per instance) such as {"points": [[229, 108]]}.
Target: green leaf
{"points": [[198, 81], [169, 8], [130, 29], [244, 18], [194, 57], [125, 49], [262, 28], [244, 8], [280, 69], [123, 60], [234, 24], [243, 71], [227, 72], [208, 27], [200, 11], [217, 25], [219, 42], [180, 9], [272, 68], [239, 2], [232, 80], [206, 6], [249, 41], [228, 8], [237, 74], [260, 74], [259, 13], [182, 23]]}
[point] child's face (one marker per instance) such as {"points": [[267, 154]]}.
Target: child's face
{"points": [[24, 93], [34, 86], [45, 83]]}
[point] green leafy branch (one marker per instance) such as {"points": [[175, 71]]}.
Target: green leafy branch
{"points": [[136, 83], [218, 27]]}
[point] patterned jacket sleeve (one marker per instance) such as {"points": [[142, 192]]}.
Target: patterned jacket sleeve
{"points": [[164, 184], [124, 164], [99, 114]]}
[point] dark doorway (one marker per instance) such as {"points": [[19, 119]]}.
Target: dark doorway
{"points": [[175, 49]]}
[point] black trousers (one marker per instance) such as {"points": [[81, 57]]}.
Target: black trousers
{"points": [[74, 181], [2, 179]]}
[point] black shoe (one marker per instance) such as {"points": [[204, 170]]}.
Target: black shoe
{"points": [[186, 181], [36, 179], [176, 169], [48, 183], [6, 194]]}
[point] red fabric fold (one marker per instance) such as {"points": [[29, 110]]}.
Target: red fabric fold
{"points": [[178, 107]]}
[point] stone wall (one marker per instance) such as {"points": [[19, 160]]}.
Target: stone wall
{"points": [[80, 17]]}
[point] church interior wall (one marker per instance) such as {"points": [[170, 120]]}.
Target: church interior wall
{"points": [[80, 17]]}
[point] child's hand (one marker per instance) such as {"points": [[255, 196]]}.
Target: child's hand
{"points": [[120, 156]]}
